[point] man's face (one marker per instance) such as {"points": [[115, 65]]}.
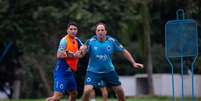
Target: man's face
{"points": [[101, 32], [72, 30]]}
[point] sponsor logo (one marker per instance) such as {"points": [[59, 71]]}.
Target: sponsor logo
{"points": [[102, 57]]}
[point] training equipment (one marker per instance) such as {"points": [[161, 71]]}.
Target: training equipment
{"points": [[181, 41]]}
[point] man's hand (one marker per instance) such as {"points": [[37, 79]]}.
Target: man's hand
{"points": [[138, 65], [70, 54], [78, 54], [83, 49]]}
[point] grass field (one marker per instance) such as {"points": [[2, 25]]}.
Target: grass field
{"points": [[128, 99]]}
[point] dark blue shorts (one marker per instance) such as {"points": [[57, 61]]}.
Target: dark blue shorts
{"points": [[64, 85], [99, 80]]}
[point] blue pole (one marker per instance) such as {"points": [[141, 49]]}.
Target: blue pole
{"points": [[172, 69], [182, 79], [192, 76], [5, 51]]}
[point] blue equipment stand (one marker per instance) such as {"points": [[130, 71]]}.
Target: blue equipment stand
{"points": [[181, 41]]}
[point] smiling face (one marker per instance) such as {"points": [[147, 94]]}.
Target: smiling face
{"points": [[72, 30], [101, 32]]}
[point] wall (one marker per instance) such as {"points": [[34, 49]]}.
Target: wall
{"points": [[137, 85]]}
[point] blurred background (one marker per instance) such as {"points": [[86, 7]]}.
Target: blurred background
{"points": [[30, 31]]}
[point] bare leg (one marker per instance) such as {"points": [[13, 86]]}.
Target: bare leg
{"points": [[56, 97], [93, 95], [119, 92], [104, 93], [87, 91], [72, 95]]}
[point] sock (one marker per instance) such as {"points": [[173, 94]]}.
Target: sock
{"points": [[93, 99]]}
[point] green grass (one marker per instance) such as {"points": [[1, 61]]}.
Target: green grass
{"points": [[128, 99]]}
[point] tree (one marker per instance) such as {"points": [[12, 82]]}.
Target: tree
{"points": [[147, 44]]}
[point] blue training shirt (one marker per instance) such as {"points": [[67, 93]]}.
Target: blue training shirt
{"points": [[100, 54], [62, 68]]}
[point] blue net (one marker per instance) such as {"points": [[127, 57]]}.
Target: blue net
{"points": [[181, 38]]}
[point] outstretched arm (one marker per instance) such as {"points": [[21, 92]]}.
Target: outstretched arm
{"points": [[129, 57]]}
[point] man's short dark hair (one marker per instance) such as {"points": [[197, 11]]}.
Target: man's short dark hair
{"points": [[102, 23], [71, 23]]}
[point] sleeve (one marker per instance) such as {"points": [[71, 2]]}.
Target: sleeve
{"points": [[117, 46], [62, 45]]}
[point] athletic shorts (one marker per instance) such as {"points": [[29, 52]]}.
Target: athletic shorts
{"points": [[63, 85], [95, 79]]}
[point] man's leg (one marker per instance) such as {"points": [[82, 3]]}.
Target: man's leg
{"points": [[87, 91], [72, 95], [104, 93], [93, 95], [91, 81], [119, 92], [112, 80], [56, 97], [59, 89]]}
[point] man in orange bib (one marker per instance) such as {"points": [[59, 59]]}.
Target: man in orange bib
{"points": [[67, 60]]}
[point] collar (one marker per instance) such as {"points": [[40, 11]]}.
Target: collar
{"points": [[105, 38]]}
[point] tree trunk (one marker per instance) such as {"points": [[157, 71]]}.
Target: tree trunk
{"points": [[41, 73], [16, 89], [147, 45], [188, 8]]}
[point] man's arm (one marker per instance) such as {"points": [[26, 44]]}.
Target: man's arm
{"points": [[129, 57], [83, 50], [66, 54], [61, 54]]}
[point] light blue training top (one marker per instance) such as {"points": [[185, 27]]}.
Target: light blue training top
{"points": [[100, 54]]}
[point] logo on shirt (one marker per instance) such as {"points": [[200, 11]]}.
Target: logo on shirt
{"points": [[102, 57], [108, 48]]}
